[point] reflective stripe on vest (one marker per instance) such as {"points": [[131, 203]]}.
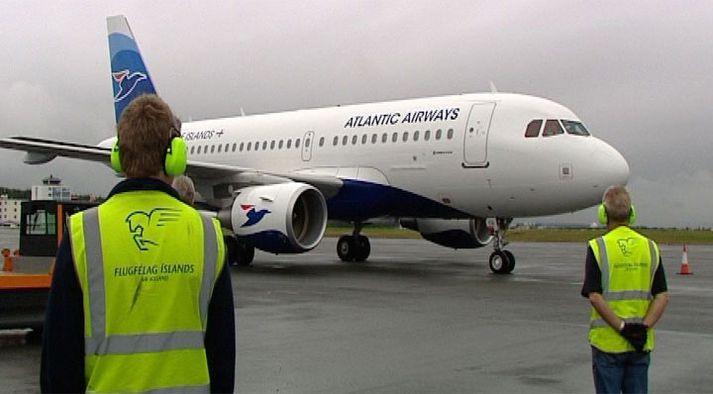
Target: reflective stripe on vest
{"points": [[101, 344], [182, 390]]}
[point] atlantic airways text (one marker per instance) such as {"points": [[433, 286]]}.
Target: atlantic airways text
{"points": [[393, 118]]}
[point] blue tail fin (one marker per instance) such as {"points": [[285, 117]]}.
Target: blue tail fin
{"points": [[129, 75]]}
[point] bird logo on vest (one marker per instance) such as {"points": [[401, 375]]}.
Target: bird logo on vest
{"points": [[144, 225], [625, 245]]}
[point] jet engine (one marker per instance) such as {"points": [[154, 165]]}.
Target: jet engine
{"points": [[452, 233], [280, 218]]}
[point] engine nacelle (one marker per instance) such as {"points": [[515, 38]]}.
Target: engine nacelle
{"points": [[452, 233], [281, 218]]}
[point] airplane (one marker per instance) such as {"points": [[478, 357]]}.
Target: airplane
{"points": [[455, 168]]}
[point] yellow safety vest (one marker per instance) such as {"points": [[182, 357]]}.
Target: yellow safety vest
{"points": [[147, 265], [627, 261]]}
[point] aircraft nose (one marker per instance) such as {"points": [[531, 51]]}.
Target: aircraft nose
{"points": [[612, 166]]}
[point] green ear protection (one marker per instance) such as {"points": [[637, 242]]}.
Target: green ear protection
{"points": [[602, 213], [174, 163]]}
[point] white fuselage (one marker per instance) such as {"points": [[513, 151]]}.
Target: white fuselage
{"points": [[467, 154]]}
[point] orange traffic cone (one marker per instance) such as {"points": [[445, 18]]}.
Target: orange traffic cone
{"points": [[684, 262]]}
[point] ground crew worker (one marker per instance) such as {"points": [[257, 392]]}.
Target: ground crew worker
{"points": [[141, 299], [626, 285]]}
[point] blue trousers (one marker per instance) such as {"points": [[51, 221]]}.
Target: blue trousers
{"points": [[620, 372]]}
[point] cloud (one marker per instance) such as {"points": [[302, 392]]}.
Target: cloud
{"points": [[638, 76]]}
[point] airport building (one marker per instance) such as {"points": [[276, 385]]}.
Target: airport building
{"points": [[9, 210], [51, 189]]}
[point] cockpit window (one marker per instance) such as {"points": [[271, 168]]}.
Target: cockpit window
{"points": [[552, 127], [533, 128], [576, 128]]}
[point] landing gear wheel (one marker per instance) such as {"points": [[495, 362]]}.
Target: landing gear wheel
{"points": [[346, 248], [511, 258], [239, 252], [245, 254], [363, 248], [501, 263]]}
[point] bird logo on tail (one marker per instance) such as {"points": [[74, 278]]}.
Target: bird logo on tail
{"points": [[126, 81]]}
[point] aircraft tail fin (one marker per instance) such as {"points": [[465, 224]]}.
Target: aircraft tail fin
{"points": [[129, 75]]}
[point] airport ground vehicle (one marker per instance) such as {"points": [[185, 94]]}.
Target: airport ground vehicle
{"points": [[25, 286]]}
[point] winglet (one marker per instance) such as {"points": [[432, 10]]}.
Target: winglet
{"points": [[493, 89], [129, 75]]}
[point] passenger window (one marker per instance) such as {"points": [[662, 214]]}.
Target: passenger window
{"points": [[219, 148], [257, 145], [427, 135], [344, 140], [552, 127], [394, 137], [272, 145], [264, 145], [235, 145], [212, 148], [405, 137], [321, 141], [450, 134], [438, 134], [192, 149], [335, 141], [242, 145], [198, 151], [363, 139], [297, 143], [373, 138], [415, 135], [289, 143], [533, 128], [384, 137], [354, 140], [226, 148], [279, 144], [249, 146]]}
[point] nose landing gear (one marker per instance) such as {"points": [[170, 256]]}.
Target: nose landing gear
{"points": [[501, 261]]}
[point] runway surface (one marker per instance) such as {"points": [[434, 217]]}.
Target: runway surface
{"points": [[418, 318]]}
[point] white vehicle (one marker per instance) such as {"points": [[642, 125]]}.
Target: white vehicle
{"points": [[455, 168]]}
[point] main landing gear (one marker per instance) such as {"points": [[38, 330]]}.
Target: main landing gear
{"points": [[501, 261], [354, 247], [239, 252]]}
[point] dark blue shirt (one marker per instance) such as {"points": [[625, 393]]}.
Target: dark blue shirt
{"points": [[62, 366]]}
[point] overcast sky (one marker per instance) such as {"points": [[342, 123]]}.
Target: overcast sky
{"points": [[639, 74]]}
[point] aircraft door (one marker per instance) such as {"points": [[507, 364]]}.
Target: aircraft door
{"points": [[308, 141], [475, 153]]}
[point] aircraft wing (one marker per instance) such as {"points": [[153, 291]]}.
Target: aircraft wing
{"points": [[41, 151]]}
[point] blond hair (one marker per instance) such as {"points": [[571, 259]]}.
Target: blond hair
{"points": [[617, 202], [144, 130], [185, 188]]}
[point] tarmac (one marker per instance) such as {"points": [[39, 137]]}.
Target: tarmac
{"points": [[419, 318]]}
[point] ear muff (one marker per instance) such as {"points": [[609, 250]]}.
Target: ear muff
{"points": [[176, 157], [632, 215], [602, 214], [115, 161]]}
